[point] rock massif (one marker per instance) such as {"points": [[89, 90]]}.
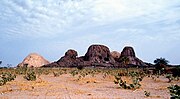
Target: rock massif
{"points": [[33, 60], [69, 59], [98, 56], [128, 52]]}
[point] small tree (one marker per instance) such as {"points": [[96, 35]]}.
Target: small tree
{"points": [[160, 64], [30, 76], [0, 62], [174, 91]]}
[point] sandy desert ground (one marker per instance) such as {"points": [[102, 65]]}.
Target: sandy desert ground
{"points": [[66, 86]]}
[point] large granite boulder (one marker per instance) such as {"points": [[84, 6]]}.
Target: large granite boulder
{"points": [[99, 54], [70, 59], [116, 55], [33, 60], [128, 54], [71, 54], [128, 51]]}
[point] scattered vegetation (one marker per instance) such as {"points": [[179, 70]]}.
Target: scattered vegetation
{"points": [[135, 75], [30, 76], [170, 77], [125, 78], [146, 93], [174, 91], [58, 73], [136, 78], [6, 77]]}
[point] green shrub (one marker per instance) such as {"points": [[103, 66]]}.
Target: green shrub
{"points": [[170, 77], [56, 74], [21, 70], [6, 77], [30, 76], [135, 85], [174, 91], [146, 93], [74, 72]]}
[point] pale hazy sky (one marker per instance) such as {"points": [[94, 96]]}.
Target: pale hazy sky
{"points": [[50, 27]]}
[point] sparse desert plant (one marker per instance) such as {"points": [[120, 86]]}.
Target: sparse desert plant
{"points": [[6, 77], [74, 72], [174, 91], [176, 78], [30, 76], [2, 82], [39, 71], [79, 77], [146, 93], [135, 85], [117, 78], [154, 78], [58, 73], [21, 70], [46, 72], [170, 77], [106, 73]]}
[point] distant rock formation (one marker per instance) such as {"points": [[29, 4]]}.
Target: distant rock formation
{"points": [[128, 52], [97, 56], [33, 60], [116, 55], [71, 54], [69, 60]]}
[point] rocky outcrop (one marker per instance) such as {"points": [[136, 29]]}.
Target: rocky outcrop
{"points": [[129, 53], [33, 60], [115, 55], [71, 54], [98, 54], [70, 59]]}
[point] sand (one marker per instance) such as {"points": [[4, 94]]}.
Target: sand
{"points": [[68, 87]]}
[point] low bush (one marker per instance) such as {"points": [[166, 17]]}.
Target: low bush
{"points": [[135, 85], [169, 77], [146, 93], [30, 76], [174, 91], [6, 77]]}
